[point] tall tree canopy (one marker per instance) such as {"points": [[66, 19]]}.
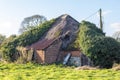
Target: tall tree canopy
{"points": [[30, 22]]}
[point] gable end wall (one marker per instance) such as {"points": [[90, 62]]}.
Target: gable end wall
{"points": [[51, 53]]}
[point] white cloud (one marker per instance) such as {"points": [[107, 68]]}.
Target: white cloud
{"points": [[8, 28], [104, 13], [116, 26]]}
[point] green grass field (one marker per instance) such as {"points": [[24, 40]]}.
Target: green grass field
{"points": [[53, 72]]}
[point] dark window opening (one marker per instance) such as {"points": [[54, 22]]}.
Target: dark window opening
{"points": [[67, 37]]}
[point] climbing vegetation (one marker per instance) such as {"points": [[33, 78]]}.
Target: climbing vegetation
{"points": [[8, 47], [102, 50]]}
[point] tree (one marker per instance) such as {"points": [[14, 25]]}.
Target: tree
{"points": [[103, 51], [30, 22], [2, 37]]}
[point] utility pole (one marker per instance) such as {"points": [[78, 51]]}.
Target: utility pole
{"points": [[101, 23]]}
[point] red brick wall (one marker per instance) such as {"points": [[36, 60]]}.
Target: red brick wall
{"points": [[51, 53]]}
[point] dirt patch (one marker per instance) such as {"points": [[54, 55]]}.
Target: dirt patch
{"points": [[85, 68], [116, 68]]}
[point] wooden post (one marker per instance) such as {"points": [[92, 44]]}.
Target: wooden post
{"points": [[101, 24]]}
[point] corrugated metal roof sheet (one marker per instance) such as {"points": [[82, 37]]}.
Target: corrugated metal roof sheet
{"points": [[41, 44]]}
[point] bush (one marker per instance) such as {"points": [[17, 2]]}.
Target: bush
{"points": [[103, 51], [8, 47]]}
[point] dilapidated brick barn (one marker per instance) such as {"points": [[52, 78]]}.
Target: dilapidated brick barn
{"points": [[50, 48]]}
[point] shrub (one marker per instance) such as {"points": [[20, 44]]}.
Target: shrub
{"points": [[8, 47], [103, 51]]}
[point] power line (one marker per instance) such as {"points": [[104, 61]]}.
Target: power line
{"points": [[91, 15], [101, 18]]}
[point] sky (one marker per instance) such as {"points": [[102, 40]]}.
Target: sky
{"points": [[12, 12]]}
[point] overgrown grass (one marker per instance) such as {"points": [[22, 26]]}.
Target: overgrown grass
{"points": [[53, 72]]}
